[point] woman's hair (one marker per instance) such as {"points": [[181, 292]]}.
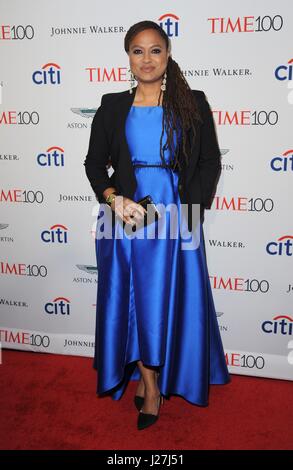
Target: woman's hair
{"points": [[179, 103]]}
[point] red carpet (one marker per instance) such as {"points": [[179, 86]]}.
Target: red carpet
{"points": [[49, 402]]}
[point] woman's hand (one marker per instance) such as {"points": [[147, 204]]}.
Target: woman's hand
{"points": [[128, 210]]}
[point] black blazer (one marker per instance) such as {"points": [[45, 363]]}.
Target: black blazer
{"points": [[108, 142]]}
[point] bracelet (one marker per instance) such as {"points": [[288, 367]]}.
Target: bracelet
{"points": [[110, 198]]}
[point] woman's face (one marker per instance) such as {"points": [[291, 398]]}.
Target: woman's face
{"points": [[148, 56]]}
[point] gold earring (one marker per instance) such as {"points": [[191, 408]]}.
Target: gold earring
{"points": [[163, 86], [132, 81]]}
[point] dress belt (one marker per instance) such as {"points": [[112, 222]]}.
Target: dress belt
{"points": [[171, 167]]}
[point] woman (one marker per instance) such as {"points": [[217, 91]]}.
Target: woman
{"points": [[156, 320]]}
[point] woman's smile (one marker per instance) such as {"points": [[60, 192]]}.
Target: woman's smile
{"points": [[147, 69]]}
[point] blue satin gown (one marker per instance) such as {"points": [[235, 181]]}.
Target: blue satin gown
{"points": [[154, 299]]}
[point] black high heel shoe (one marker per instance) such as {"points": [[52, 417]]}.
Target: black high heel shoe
{"points": [[147, 419], [138, 401]]}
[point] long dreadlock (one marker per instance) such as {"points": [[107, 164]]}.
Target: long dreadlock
{"points": [[180, 109]]}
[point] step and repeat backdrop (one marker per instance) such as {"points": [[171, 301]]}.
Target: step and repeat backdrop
{"points": [[57, 60]]}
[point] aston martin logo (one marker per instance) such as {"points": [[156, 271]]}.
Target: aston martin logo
{"points": [[84, 112], [88, 269]]}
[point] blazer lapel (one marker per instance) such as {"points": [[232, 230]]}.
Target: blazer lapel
{"points": [[193, 157], [125, 168]]}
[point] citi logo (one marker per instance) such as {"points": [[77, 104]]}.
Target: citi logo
{"points": [[281, 247], [53, 156], [281, 324], [59, 306], [55, 234], [169, 22], [284, 72], [48, 75], [283, 162]]}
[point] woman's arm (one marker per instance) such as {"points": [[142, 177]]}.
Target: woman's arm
{"points": [[210, 155], [98, 155]]}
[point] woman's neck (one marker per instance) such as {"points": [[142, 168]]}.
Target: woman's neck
{"points": [[148, 95]]}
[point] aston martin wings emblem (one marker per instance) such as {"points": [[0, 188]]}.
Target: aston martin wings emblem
{"points": [[88, 269], [84, 112]]}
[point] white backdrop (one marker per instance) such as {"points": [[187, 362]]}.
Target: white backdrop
{"points": [[57, 59]]}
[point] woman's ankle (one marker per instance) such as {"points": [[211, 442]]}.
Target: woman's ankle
{"points": [[141, 387], [152, 391]]}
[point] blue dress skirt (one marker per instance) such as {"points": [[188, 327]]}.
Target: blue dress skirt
{"points": [[154, 299]]}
